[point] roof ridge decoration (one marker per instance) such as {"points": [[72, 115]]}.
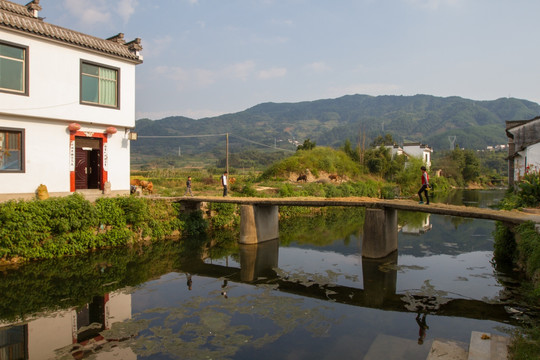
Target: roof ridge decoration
{"points": [[22, 19], [33, 8]]}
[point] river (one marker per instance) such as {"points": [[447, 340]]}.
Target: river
{"points": [[308, 295]]}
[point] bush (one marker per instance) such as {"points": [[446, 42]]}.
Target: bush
{"points": [[70, 225]]}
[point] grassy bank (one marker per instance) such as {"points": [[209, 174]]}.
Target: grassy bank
{"points": [[520, 248]]}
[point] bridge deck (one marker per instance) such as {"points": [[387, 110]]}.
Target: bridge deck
{"points": [[513, 217]]}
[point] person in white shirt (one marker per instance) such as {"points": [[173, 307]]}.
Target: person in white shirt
{"points": [[224, 183]]}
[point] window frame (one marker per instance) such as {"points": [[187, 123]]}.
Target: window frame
{"points": [[83, 102], [22, 168], [26, 70]]}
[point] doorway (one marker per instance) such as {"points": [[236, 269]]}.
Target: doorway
{"points": [[88, 163]]}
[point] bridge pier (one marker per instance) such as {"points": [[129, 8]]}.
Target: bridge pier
{"points": [[258, 223], [380, 233]]}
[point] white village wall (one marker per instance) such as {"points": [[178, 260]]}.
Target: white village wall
{"points": [[528, 157], [54, 85], [48, 159]]}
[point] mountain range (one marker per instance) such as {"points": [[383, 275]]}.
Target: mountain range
{"points": [[427, 119]]}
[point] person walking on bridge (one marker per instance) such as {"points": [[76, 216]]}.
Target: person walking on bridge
{"points": [[188, 187], [224, 183], [425, 186]]}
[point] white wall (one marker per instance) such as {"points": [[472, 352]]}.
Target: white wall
{"points": [[47, 157], [533, 156], [419, 152], [54, 84], [528, 157]]}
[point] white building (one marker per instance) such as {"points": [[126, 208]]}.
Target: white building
{"points": [[419, 150], [523, 148], [67, 104], [416, 150], [395, 150]]}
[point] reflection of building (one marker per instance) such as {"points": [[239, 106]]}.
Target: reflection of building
{"points": [[38, 338], [417, 229]]}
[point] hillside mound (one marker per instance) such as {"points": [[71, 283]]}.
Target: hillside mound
{"points": [[321, 164]]}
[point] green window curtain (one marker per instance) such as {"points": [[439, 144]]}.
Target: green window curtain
{"points": [[99, 85], [107, 87], [12, 68]]}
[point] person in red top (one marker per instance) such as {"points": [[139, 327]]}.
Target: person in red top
{"points": [[425, 186]]}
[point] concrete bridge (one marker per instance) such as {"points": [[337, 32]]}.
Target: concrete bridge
{"points": [[259, 217]]}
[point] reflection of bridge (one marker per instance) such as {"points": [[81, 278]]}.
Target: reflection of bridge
{"points": [[257, 264], [259, 217]]}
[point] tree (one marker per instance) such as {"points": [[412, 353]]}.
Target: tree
{"points": [[380, 140], [378, 160], [307, 145], [471, 168], [348, 149]]}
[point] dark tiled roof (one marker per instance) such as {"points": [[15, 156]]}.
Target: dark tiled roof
{"points": [[18, 17]]}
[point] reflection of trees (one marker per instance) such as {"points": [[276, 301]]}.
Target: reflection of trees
{"points": [[72, 281], [326, 227]]}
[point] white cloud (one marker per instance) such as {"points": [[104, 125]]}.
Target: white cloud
{"points": [[242, 70], [125, 9], [93, 12], [318, 67], [433, 4], [186, 78], [153, 48], [272, 73]]}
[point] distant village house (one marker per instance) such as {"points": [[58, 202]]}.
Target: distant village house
{"points": [[67, 106], [523, 148], [416, 149]]}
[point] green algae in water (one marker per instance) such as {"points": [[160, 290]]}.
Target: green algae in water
{"points": [[203, 328]]}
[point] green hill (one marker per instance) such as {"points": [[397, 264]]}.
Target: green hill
{"points": [[255, 132]]}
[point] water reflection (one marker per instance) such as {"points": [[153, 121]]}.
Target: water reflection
{"points": [[210, 298]]}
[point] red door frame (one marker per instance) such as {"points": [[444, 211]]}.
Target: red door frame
{"points": [[104, 172]]}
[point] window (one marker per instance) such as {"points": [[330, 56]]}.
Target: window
{"points": [[13, 68], [99, 85], [11, 150]]}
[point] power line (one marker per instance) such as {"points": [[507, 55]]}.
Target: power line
{"points": [[257, 143], [209, 135], [176, 136]]}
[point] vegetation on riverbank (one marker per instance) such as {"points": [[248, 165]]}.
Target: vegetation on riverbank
{"points": [[520, 247], [71, 225]]}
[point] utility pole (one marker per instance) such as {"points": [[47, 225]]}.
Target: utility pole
{"points": [[179, 152], [227, 153]]}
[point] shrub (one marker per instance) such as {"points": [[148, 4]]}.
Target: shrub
{"points": [[70, 225]]}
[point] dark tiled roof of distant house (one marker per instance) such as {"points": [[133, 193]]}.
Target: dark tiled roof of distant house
{"points": [[20, 18]]}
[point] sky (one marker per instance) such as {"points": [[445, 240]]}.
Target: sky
{"points": [[205, 58]]}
